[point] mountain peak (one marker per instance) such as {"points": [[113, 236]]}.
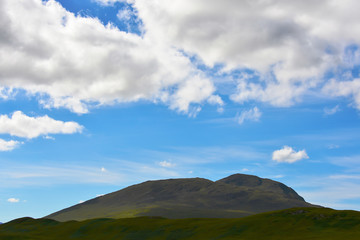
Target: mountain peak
{"points": [[242, 180]]}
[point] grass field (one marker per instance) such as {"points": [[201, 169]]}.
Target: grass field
{"points": [[296, 223]]}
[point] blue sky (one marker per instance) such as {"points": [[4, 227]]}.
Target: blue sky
{"points": [[98, 95]]}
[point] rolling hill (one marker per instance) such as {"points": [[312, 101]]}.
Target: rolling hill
{"points": [[290, 224], [231, 197]]}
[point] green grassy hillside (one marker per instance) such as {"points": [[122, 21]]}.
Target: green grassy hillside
{"points": [[296, 223], [232, 197]]}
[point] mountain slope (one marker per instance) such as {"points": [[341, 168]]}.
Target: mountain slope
{"points": [[290, 224], [235, 196]]}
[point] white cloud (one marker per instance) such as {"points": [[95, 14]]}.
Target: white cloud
{"points": [[124, 14], [195, 90], [216, 100], [108, 2], [81, 201], [288, 155], [73, 62], [103, 169], [13, 200], [332, 111], [278, 94], [8, 145], [167, 164], [253, 114], [289, 44], [344, 89], [49, 137], [21, 125]]}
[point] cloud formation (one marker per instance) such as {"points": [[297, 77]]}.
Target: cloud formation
{"points": [[13, 200], [75, 62], [253, 114], [166, 164], [288, 155], [332, 111], [8, 145], [287, 45], [21, 125], [107, 2], [344, 89]]}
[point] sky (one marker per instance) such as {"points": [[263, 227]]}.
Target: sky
{"points": [[97, 95]]}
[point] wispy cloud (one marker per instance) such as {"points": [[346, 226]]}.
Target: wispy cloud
{"points": [[332, 111], [13, 200], [344, 176], [119, 172], [334, 191], [167, 164], [107, 2], [253, 114], [350, 162], [16, 175], [205, 155]]}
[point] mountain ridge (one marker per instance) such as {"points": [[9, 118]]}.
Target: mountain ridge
{"points": [[234, 196]]}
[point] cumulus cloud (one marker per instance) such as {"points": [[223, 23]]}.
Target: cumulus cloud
{"points": [[13, 200], [288, 155], [253, 114], [193, 92], [73, 62], [8, 145], [21, 125], [289, 44]]}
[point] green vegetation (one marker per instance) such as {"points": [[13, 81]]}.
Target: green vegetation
{"points": [[235, 196], [295, 223]]}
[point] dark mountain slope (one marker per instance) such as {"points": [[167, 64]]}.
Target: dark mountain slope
{"points": [[235, 196], [290, 224]]}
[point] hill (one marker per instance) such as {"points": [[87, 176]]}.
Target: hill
{"points": [[290, 224], [234, 196]]}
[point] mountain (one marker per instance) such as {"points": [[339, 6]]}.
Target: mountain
{"points": [[234, 196], [289, 224]]}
